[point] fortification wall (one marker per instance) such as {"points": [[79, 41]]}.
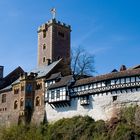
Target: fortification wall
{"points": [[101, 106]]}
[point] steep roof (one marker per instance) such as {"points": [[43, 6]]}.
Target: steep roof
{"points": [[44, 70], [11, 77], [64, 81], [113, 75]]}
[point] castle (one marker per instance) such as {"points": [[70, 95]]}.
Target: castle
{"points": [[50, 92]]}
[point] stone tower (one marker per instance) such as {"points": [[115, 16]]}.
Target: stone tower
{"points": [[53, 42]]}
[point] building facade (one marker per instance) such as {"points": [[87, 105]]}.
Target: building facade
{"points": [[49, 92]]}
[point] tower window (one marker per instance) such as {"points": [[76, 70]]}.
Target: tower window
{"points": [[61, 34], [44, 34], [44, 46], [44, 59]]}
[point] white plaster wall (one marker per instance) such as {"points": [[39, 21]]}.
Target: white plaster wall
{"points": [[101, 106]]}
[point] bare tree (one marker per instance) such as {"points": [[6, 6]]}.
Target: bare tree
{"points": [[82, 63]]}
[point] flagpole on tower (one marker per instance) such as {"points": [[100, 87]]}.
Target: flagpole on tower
{"points": [[53, 11]]}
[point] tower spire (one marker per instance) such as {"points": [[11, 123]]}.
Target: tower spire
{"points": [[53, 11]]}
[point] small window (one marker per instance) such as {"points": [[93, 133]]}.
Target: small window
{"points": [[44, 34], [108, 82], [3, 98], [37, 101], [15, 104], [39, 86], [16, 91], [61, 34], [22, 88], [84, 100], [133, 79], [44, 59], [44, 46], [21, 102], [58, 93], [52, 94], [114, 98]]}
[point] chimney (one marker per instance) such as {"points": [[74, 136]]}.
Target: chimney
{"points": [[1, 72], [48, 61], [123, 67]]}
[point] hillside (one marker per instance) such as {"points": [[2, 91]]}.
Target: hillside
{"points": [[125, 127]]}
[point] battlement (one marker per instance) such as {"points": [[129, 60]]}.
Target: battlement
{"points": [[53, 21]]}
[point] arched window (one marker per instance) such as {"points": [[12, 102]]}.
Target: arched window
{"points": [[44, 46], [21, 102], [44, 59], [37, 102], [16, 104]]}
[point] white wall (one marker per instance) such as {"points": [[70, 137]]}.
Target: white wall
{"points": [[101, 106]]}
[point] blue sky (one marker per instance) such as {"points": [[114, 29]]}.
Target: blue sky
{"points": [[109, 29]]}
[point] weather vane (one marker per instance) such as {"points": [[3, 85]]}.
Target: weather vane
{"points": [[53, 11]]}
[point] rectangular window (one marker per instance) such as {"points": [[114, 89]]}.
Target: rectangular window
{"points": [[128, 80], [3, 98], [52, 94], [114, 98], [108, 82], [122, 80], [132, 79], [58, 93], [44, 34], [29, 88], [84, 100], [137, 78]]}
